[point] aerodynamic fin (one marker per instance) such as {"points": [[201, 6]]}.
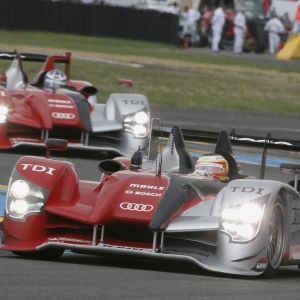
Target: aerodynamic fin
{"points": [[15, 74], [223, 147], [264, 156], [223, 143], [175, 155]]}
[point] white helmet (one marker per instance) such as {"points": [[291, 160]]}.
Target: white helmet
{"points": [[212, 165], [54, 79]]}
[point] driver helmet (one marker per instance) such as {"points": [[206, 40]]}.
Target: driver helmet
{"points": [[55, 79], [212, 165]]}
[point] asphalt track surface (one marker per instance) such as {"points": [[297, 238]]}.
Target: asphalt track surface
{"points": [[88, 277]]}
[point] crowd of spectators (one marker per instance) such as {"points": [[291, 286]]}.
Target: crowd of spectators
{"points": [[279, 29]]}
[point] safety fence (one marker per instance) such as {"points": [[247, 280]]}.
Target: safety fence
{"points": [[89, 20]]}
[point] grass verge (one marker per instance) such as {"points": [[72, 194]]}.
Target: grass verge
{"points": [[169, 75]]}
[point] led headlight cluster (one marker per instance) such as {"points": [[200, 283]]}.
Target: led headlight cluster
{"points": [[137, 123], [242, 222], [3, 113], [24, 198]]}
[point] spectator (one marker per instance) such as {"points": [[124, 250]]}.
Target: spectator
{"points": [[239, 31], [288, 26], [175, 8], [171, 8], [217, 24], [168, 7], [274, 27], [189, 18]]}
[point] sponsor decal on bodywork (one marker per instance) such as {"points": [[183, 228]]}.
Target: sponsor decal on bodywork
{"points": [[23, 140], [129, 192], [136, 207], [144, 186], [296, 216], [247, 189], [134, 102], [68, 240], [38, 168], [261, 266], [124, 247], [59, 115], [187, 252]]}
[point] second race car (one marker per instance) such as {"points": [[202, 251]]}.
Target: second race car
{"points": [[55, 106]]}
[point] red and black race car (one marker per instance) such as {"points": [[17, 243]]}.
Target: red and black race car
{"points": [[30, 113]]}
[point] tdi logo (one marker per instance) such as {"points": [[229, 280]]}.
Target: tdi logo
{"points": [[134, 102], [296, 212], [37, 168], [247, 189]]}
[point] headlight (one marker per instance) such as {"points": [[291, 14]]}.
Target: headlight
{"points": [[141, 118], [24, 197], [3, 113], [19, 189], [137, 123], [242, 222]]}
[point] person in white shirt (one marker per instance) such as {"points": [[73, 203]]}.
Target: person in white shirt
{"points": [[171, 8], [217, 24], [239, 31], [274, 27], [189, 19]]}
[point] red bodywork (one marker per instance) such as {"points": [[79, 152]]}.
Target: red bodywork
{"points": [[32, 109], [74, 207]]}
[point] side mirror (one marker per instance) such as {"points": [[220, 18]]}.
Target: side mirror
{"points": [[55, 144], [136, 160], [126, 83]]}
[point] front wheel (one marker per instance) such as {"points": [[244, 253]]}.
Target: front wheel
{"points": [[276, 239], [49, 254]]}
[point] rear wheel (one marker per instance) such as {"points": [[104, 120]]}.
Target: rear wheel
{"points": [[49, 254], [276, 239]]}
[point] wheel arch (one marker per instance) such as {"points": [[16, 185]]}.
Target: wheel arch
{"points": [[288, 196]]}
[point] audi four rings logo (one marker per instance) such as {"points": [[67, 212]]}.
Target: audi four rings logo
{"points": [[136, 207], [58, 115]]}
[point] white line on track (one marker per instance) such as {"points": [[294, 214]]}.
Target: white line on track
{"points": [[108, 61], [240, 127]]}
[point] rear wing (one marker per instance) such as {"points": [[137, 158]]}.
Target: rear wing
{"points": [[158, 132], [49, 60]]}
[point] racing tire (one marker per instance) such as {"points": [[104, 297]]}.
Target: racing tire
{"points": [[276, 239], [49, 254]]}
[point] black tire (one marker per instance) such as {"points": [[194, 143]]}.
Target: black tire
{"points": [[276, 239], [49, 254]]}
